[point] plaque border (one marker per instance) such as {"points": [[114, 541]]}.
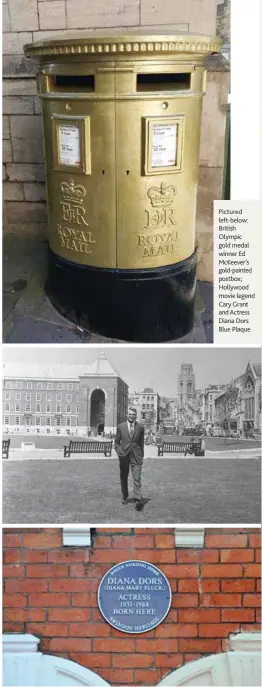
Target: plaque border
{"points": [[148, 123], [132, 560], [83, 123]]}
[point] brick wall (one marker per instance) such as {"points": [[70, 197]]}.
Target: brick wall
{"points": [[51, 592]]}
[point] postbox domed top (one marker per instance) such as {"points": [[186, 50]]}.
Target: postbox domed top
{"points": [[135, 42]]}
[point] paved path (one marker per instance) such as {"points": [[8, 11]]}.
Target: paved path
{"points": [[175, 491]]}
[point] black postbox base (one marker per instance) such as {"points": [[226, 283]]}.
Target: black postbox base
{"points": [[150, 306]]}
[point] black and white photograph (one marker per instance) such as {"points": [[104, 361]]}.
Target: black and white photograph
{"points": [[118, 434]]}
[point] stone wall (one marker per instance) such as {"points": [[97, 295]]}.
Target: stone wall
{"points": [[23, 172], [50, 591]]}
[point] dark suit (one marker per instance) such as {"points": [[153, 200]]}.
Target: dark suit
{"points": [[130, 451]]}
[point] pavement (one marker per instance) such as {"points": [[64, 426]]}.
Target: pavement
{"points": [[58, 454], [29, 317], [174, 491]]}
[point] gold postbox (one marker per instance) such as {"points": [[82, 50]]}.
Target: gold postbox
{"points": [[122, 121]]}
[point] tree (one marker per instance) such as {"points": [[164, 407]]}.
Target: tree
{"points": [[229, 404], [150, 419]]}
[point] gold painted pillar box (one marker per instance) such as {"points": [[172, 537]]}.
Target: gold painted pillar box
{"points": [[122, 119]]}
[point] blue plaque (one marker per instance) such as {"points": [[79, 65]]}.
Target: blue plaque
{"points": [[134, 596]]}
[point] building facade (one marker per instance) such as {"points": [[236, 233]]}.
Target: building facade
{"points": [[93, 402], [50, 592], [238, 405], [147, 404]]}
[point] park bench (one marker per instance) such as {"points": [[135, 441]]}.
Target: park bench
{"points": [[89, 446], [197, 447], [5, 448]]}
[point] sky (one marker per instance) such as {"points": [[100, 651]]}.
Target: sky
{"points": [[138, 366]]}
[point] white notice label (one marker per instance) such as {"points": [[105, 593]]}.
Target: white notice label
{"points": [[164, 145], [69, 145]]}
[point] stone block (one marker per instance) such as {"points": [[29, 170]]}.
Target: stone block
{"points": [[37, 105], [27, 172], [32, 230], [41, 35], [165, 27], [23, 212], [19, 87], [34, 192], [210, 181], [6, 127], [213, 126], [52, 15], [205, 254], [18, 65], [6, 24], [200, 15], [23, 15], [7, 151], [27, 150], [18, 105], [14, 42], [3, 172], [12, 191], [102, 13], [26, 127]]}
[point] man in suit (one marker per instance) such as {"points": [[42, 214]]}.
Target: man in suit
{"points": [[129, 445]]}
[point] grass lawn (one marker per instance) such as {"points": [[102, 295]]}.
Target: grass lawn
{"points": [[224, 491]]}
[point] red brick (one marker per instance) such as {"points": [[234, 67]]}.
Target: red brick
{"points": [[181, 600], [157, 645], [68, 555], [81, 599], [93, 660], [237, 555], [109, 556], [12, 540], [205, 646], [238, 585], [149, 555], [24, 615], [182, 571], [198, 556], [78, 570], [35, 556], [146, 677], [258, 585], [178, 630], [219, 571], [165, 541], [103, 542], [117, 676], [171, 617], [11, 626], [90, 630], [252, 570], [198, 585], [14, 570], [70, 585], [220, 600], [44, 540], [199, 615], [133, 660], [70, 644], [191, 657], [258, 555], [217, 630], [164, 555], [11, 556], [69, 615], [235, 615], [253, 600], [226, 541], [258, 615], [169, 660], [26, 585], [255, 540], [251, 627], [15, 600], [114, 645], [48, 629], [48, 600], [47, 570]]}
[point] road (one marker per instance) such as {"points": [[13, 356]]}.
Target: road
{"points": [[175, 491]]}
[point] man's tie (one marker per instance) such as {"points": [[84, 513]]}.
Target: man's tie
{"points": [[131, 431]]}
